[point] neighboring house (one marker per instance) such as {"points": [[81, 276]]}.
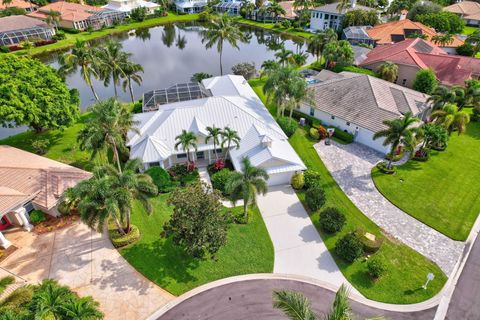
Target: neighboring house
{"points": [[21, 4], [358, 35], [29, 181], [231, 7], [360, 54], [128, 5], [329, 17], [190, 6], [397, 31], [467, 10], [264, 15], [413, 55], [232, 103], [78, 16], [358, 104], [15, 29]]}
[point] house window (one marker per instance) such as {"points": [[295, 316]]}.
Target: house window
{"points": [[326, 16], [217, 151], [181, 156], [319, 15], [312, 111], [332, 117], [29, 207], [404, 82], [348, 123], [154, 164]]}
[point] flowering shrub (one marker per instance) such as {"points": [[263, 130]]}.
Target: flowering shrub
{"points": [[219, 165]]}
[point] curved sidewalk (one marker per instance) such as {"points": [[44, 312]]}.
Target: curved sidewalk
{"points": [[350, 165]]}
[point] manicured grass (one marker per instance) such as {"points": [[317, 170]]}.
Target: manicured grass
{"points": [[248, 250], [85, 36], [407, 269], [468, 30], [442, 192], [271, 26]]}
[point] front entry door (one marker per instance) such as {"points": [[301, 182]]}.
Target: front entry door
{"points": [[4, 223]]}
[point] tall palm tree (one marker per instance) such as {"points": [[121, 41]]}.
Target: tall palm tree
{"points": [[299, 59], [219, 31], [82, 309], [388, 71], [106, 128], [131, 72], [283, 56], [214, 134], [474, 40], [230, 138], [7, 3], [53, 18], [168, 35], [399, 131], [275, 10], [247, 184], [441, 96], [467, 96], [319, 41], [83, 57], [268, 67], [451, 118], [187, 140], [112, 62]]}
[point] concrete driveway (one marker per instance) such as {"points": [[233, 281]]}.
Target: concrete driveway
{"points": [[87, 262], [299, 250]]}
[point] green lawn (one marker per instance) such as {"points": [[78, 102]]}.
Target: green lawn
{"points": [[72, 38], [468, 30], [407, 269], [442, 192], [271, 26], [248, 250]]}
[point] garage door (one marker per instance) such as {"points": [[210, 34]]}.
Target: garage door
{"points": [[280, 178]]}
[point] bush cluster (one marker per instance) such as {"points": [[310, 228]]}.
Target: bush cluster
{"points": [[376, 267], [315, 197], [219, 180], [161, 179], [120, 240], [37, 216], [349, 248], [289, 126], [383, 167], [312, 178], [342, 135], [314, 134], [298, 181], [183, 174], [332, 220], [369, 246]]}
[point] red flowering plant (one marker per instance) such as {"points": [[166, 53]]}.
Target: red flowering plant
{"points": [[219, 165]]}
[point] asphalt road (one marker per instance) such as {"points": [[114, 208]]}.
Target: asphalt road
{"points": [[465, 302], [252, 299]]}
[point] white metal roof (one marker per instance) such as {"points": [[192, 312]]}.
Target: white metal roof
{"points": [[128, 6]]}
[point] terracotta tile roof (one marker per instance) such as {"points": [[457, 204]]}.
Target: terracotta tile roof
{"points": [[20, 22], [68, 11], [289, 10], [450, 69], [467, 9], [25, 176], [17, 4], [383, 32]]}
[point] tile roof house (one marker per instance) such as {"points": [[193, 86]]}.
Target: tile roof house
{"points": [[128, 5], [413, 55], [397, 31], [79, 16], [468, 10], [358, 104], [29, 181], [329, 16], [233, 104], [22, 4], [15, 29]]}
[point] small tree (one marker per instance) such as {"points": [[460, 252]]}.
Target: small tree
{"points": [[197, 222], [200, 76], [315, 197], [425, 81], [388, 71], [245, 69], [138, 14]]}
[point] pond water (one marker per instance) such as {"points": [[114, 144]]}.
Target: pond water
{"points": [[172, 54]]}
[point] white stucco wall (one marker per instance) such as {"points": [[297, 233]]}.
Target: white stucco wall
{"points": [[318, 21], [280, 178]]}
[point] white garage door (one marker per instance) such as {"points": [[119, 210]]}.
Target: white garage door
{"points": [[280, 178]]}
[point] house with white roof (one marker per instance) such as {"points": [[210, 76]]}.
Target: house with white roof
{"points": [[190, 6], [231, 102], [128, 5]]}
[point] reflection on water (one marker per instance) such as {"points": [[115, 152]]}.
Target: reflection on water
{"points": [[173, 53]]}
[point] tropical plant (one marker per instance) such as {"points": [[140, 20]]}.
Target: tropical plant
{"points": [[451, 118], [53, 18], [442, 40], [388, 71], [112, 62], [299, 59], [221, 30], [283, 56], [230, 138], [82, 309], [214, 134], [49, 300], [319, 41], [474, 40], [268, 67], [425, 81], [131, 72], [468, 95], [7, 3], [200, 76], [247, 184], [187, 140], [83, 57], [338, 52], [275, 10], [398, 132], [440, 97], [433, 135]]}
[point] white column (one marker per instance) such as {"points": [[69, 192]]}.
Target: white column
{"points": [[210, 156], [170, 162], [23, 216], [4, 243]]}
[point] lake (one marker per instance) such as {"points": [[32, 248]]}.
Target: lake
{"points": [[172, 54]]}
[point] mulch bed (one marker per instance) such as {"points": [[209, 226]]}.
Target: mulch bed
{"points": [[52, 223], [5, 253]]}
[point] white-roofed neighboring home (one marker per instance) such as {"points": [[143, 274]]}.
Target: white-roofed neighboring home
{"points": [[128, 5], [232, 104]]}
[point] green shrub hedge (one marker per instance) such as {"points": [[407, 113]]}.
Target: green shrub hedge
{"points": [[342, 135], [332, 220], [312, 178], [37, 216], [119, 240], [289, 126], [309, 119], [369, 246], [383, 167], [298, 181], [161, 179], [349, 248], [376, 267], [219, 180], [315, 197]]}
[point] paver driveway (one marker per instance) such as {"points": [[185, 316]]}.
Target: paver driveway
{"points": [[299, 250], [350, 165], [87, 262]]}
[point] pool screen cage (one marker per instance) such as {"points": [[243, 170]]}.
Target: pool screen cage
{"points": [[152, 100]]}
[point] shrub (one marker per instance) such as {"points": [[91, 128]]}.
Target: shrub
{"points": [[219, 180], [312, 178], [245, 69], [120, 240], [322, 132], [315, 197], [286, 24], [5, 282], [349, 247], [37, 216], [40, 146], [298, 181], [314, 134], [4, 49], [465, 49], [277, 25], [308, 119], [383, 167], [289, 126], [369, 246], [425, 81], [138, 14], [342, 135], [137, 107], [17, 298], [376, 267], [161, 179], [60, 35], [421, 155], [332, 220]]}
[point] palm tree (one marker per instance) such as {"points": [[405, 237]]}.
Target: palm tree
{"points": [[82, 309], [467, 96], [7, 3], [474, 40], [284, 56], [319, 40], [247, 185], [299, 59], [247, 8], [106, 128], [168, 35], [53, 18], [343, 4], [442, 39], [131, 73], [451, 118], [441, 96], [214, 134], [81, 56], [276, 10], [219, 31], [229, 138], [112, 62], [49, 299], [388, 71], [187, 140], [399, 131], [268, 67]]}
